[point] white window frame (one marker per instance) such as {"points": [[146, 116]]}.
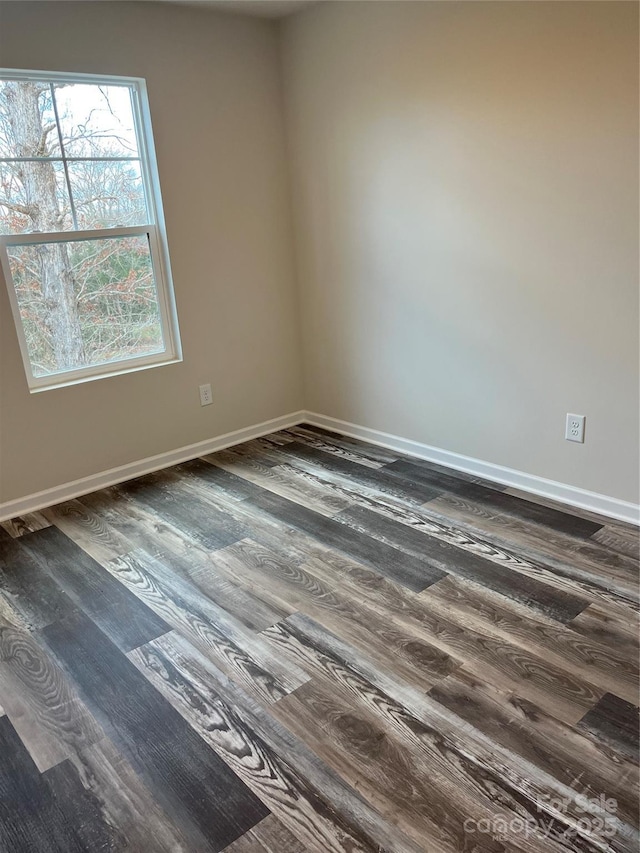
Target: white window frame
{"points": [[155, 231]]}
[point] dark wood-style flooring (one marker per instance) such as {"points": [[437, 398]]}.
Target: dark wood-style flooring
{"points": [[307, 643]]}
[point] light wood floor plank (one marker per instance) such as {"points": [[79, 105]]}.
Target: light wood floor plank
{"points": [[208, 625]]}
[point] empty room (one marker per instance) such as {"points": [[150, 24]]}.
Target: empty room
{"points": [[319, 426]]}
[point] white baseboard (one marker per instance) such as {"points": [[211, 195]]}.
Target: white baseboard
{"points": [[67, 491], [561, 492]]}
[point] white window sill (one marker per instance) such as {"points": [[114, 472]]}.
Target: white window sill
{"points": [[64, 380]]}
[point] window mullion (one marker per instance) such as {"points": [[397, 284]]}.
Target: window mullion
{"points": [[69, 159], [65, 165], [36, 238]]}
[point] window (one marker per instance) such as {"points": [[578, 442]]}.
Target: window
{"points": [[82, 242]]}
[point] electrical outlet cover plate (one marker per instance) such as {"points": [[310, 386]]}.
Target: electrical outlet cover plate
{"points": [[575, 428], [206, 397]]}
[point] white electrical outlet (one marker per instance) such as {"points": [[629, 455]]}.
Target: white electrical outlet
{"points": [[575, 428], [206, 397]]}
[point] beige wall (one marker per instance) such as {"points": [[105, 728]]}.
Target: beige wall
{"points": [[215, 104], [466, 204], [465, 185]]}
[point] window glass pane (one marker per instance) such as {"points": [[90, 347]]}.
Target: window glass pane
{"points": [[35, 135], [34, 197], [96, 121], [86, 303], [108, 193]]}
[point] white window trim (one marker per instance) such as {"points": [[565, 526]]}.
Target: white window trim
{"points": [[155, 230]]}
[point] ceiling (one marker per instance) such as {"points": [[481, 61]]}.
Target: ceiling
{"points": [[259, 8]]}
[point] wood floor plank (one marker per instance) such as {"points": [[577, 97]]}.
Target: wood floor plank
{"points": [[384, 479], [440, 471], [566, 557], [440, 478], [382, 455], [229, 485], [555, 688], [403, 781], [252, 610], [88, 530], [311, 801], [445, 736], [599, 575], [272, 531], [341, 447], [585, 765], [404, 651], [338, 484], [596, 517], [624, 543], [125, 619], [134, 819], [127, 804], [460, 561], [562, 521], [604, 667], [186, 776], [32, 594], [30, 819], [258, 450], [187, 559], [278, 438], [269, 836], [97, 532], [48, 715], [196, 519], [266, 528], [587, 554], [22, 524], [242, 654], [10, 615], [498, 658], [410, 571], [80, 808], [270, 479], [614, 626], [615, 721], [553, 548], [141, 528], [380, 770], [585, 578]]}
